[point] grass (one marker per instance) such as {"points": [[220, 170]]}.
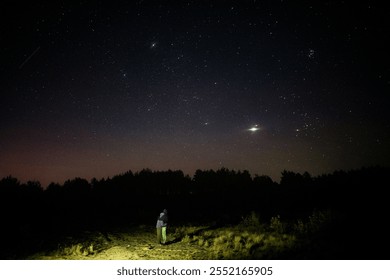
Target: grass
{"points": [[252, 239], [249, 239]]}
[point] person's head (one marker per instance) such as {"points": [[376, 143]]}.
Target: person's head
{"points": [[165, 211]]}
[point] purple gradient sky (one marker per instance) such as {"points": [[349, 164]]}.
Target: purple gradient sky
{"points": [[95, 89]]}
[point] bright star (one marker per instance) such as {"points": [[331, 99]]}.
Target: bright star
{"points": [[153, 45], [254, 128]]}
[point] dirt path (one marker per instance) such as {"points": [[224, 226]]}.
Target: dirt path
{"points": [[143, 245], [138, 244]]}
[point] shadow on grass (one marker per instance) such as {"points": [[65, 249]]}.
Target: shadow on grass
{"points": [[190, 234], [176, 240]]}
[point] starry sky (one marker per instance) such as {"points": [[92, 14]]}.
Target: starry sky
{"points": [[97, 88]]}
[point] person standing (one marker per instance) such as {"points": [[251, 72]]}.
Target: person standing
{"points": [[161, 226]]}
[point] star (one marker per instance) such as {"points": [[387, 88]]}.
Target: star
{"points": [[311, 54], [153, 45], [254, 128]]}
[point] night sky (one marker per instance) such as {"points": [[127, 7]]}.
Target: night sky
{"points": [[95, 89]]}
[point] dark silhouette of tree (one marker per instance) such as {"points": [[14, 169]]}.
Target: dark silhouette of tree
{"points": [[263, 181], [9, 187], [296, 180], [30, 213]]}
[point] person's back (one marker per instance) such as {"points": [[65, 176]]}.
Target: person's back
{"points": [[164, 217], [162, 223]]}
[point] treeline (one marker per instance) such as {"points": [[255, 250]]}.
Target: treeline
{"points": [[223, 196]]}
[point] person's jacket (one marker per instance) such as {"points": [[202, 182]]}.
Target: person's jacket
{"points": [[162, 220]]}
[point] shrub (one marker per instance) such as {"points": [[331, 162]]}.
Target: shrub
{"points": [[276, 225], [251, 221], [316, 222]]}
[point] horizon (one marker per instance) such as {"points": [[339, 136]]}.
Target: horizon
{"points": [[44, 186], [92, 89]]}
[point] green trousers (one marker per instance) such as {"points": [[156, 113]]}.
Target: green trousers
{"points": [[162, 235]]}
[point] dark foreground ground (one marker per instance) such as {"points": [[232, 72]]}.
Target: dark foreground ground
{"points": [[318, 237], [216, 215], [127, 244]]}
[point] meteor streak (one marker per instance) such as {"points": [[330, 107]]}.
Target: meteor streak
{"points": [[28, 58]]}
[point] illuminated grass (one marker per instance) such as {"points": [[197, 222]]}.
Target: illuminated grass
{"points": [[234, 243], [249, 239]]}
